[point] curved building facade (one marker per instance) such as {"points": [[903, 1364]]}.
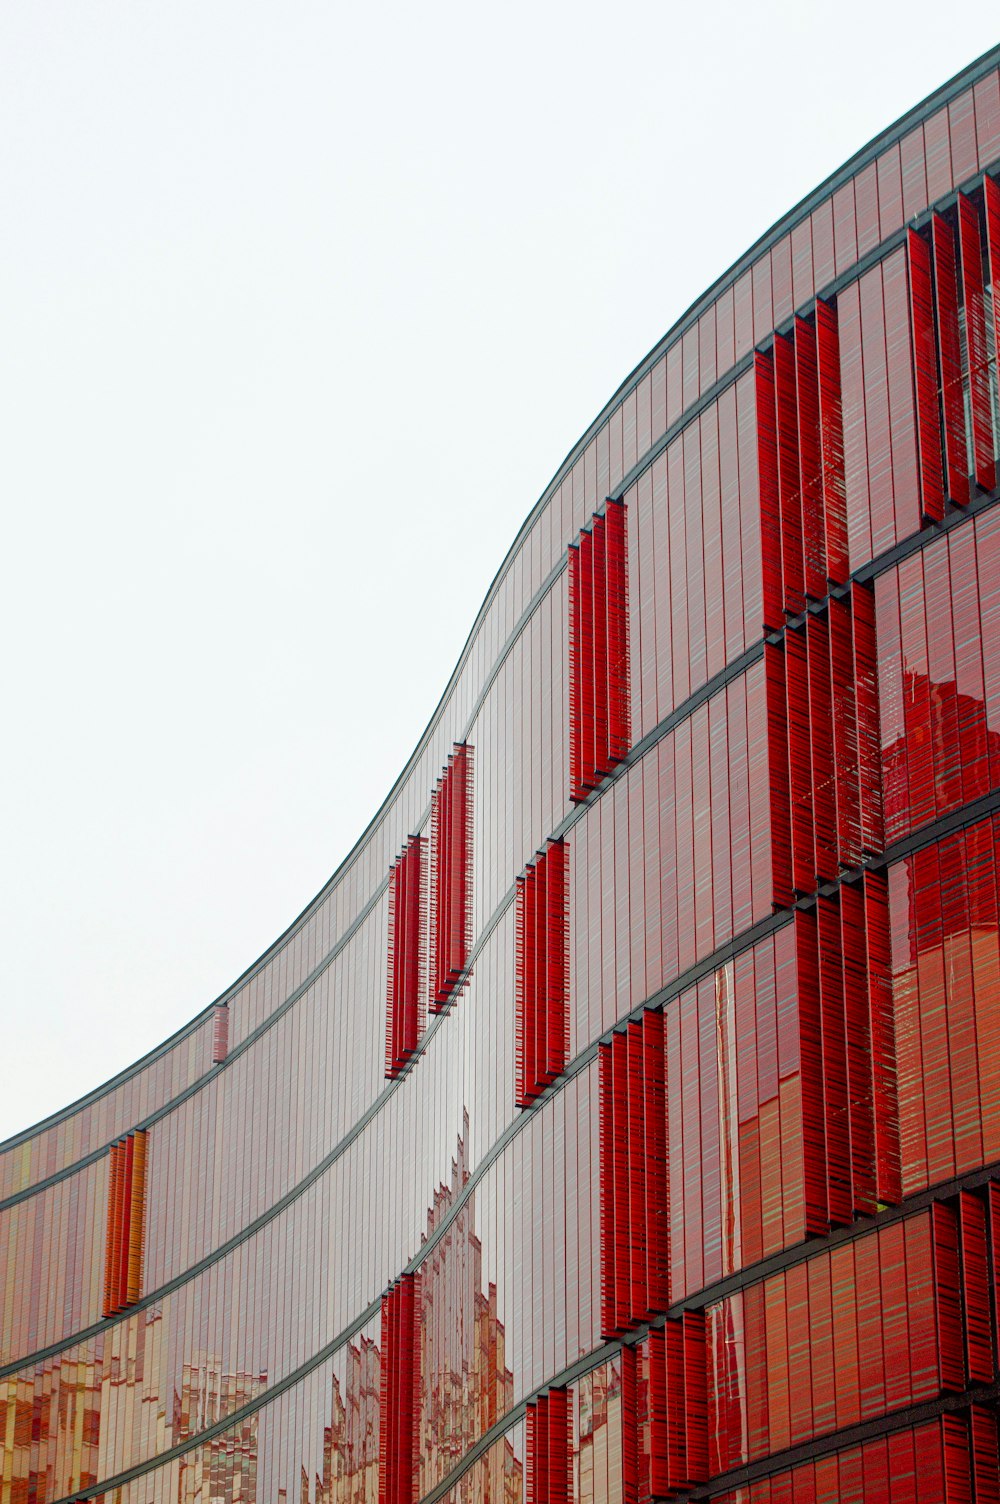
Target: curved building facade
{"points": [[622, 1120]]}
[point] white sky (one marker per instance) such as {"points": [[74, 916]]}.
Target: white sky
{"points": [[303, 304]]}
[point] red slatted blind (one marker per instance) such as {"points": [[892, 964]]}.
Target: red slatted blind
{"points": [[977, 358], [950, 354], [404, 986], [600, 693], [124, 1247], [220, 1034], [451, 877], [549, 1456], [634, 1194], [399, 1393], [677, 1440], [926, 380], [541, 1012]]}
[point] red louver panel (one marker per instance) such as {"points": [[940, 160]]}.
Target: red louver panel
{"points": [[975, 1289], [949, 346], [451, 877], [810, 458], [926, 376], [888, 1173], [548, 1451], [633, 1176], [951, 1359], [124, 1248], [800, 763], [973, 292], [777, 765], [404, 991], [541, 994], [833, 1012], [220, 1034], [985, 1459], [399, 1393], [677, 1406], [631, 1447], [770, 509], [600, 703], [991, 196], [789, 494], [832, 443], [823, 780]]}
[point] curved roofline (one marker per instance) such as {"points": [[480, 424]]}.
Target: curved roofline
{"points": [[957, 84]]}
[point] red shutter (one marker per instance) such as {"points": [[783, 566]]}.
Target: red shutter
{"points": [[832, 440], [810, 458], [548, 1450], [541, 1012], [770, 507], [126, 1223], [399, 1393], [451, 877], [404, 990], [949, 349], [925, 376], [599, 672], [974, 296]]}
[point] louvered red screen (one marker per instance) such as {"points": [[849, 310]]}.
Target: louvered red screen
{"points": [[126, 1224], [540, 996], [849, 1120], [949, 357], [399, 1393], [974, 297], [600, 695], [404, 992], [926, 379], [451, 876], [633, 1175], [823, 745], [548, 1453], [677, 1406]]}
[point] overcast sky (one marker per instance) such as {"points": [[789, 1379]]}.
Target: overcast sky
{"points": [[303, 304]]}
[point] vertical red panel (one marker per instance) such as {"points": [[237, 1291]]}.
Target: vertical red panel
{"points": [[832, 443], [822, 778], [619, 678], [631, 1446], [695, 1397], [128, 1152], [451, 876], [970, 245], [789, 495], [137, 1218], [600, 765], [770, 506], [975, 1289], [404, 992], [991, 198], [399, 1392], [559, 1455], [575, 673], [777, 763], [608, 1210], [112, 1239], [949, 347], [925, 376], [948, 1307], [638, 1293], [657, 1184], [810, 459], [620, 1154], [955, 1449], [985, 1461], [800, 763]]}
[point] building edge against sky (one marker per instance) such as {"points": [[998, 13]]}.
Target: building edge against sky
{"points": [[621, 1121]]}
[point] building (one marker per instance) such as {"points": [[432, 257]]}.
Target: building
{"points": [[622, 1121]]}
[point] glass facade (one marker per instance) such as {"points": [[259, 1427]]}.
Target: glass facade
{"points": [[622, 1121]]}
